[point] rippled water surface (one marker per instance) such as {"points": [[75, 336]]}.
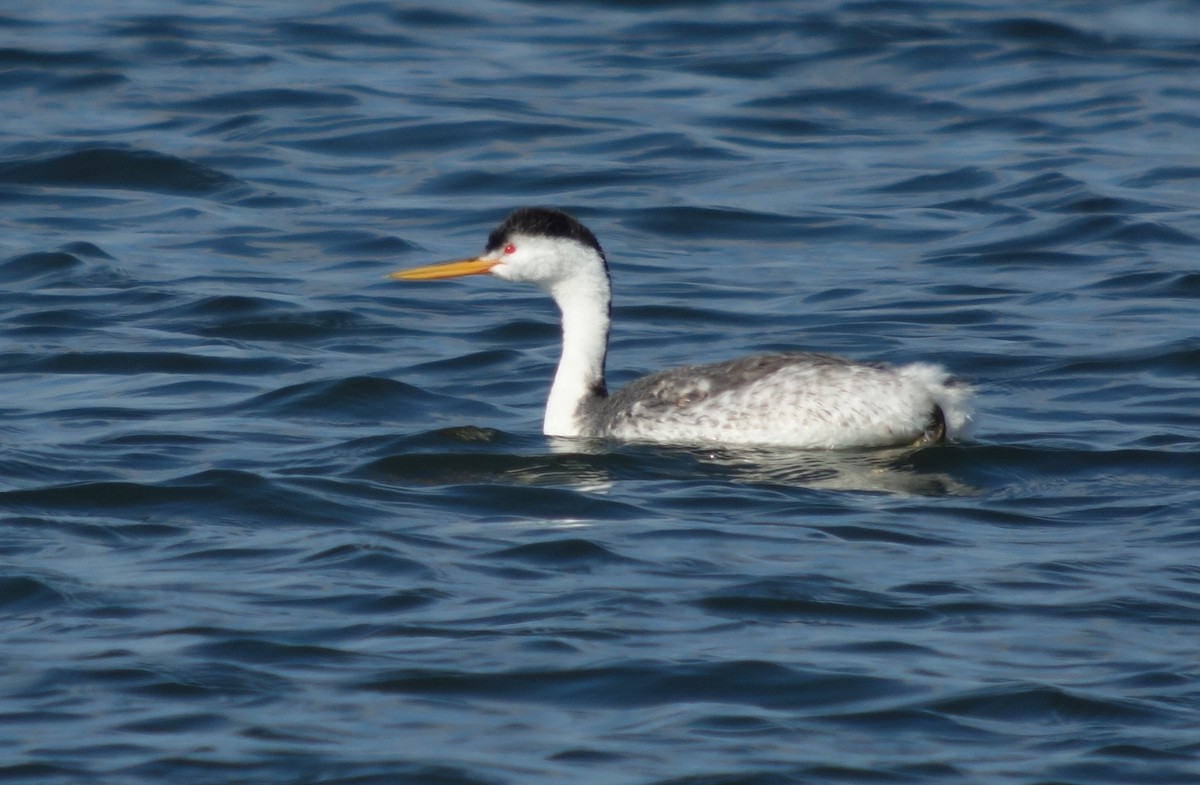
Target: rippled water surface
{"points": [[267, 517]]}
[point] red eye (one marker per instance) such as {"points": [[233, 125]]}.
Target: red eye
{"points": [[510, 248]]}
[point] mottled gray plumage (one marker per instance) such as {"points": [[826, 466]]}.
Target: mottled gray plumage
{"points": [[760, 399]]}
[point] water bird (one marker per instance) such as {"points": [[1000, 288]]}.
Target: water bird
{"points": [[788, 399]]}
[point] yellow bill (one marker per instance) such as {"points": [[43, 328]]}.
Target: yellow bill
{"points": [[455, 269]]}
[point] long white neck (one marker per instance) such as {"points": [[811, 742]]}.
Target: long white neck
{"points": [[584, 303]]}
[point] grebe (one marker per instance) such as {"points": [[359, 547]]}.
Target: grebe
{"points": [[793, 399]]}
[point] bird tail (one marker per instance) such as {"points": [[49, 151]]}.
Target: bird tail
{"points": [[952, 396]]}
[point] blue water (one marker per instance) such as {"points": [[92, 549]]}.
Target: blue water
{"points": [[269, 518]]}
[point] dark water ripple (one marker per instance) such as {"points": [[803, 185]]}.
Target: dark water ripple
{"points": [[269, 518]]}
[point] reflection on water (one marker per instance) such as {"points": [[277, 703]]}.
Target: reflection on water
{"points": [[887, 471], [594, 465]]}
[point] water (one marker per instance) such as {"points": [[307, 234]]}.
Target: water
{"points": [[268, 517]]}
